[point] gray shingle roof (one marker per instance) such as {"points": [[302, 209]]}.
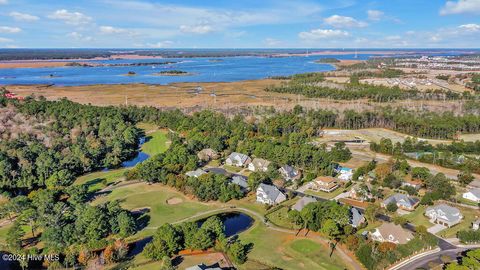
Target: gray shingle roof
{"points": [[476, 192], [452, 214], [271, 191], [401, 199], [357, 217], [240, 180], [242, 158]]}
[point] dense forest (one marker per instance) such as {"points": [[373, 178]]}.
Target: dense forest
{"points": [[65, 140]]}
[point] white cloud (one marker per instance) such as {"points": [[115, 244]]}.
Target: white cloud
{"points": [[461, 7], [9, 30], [393, 38], [471, 27], [271, 42], [375, 15], [79, 37], [5, 40], [196, 29], [338, 21], [112, 30], [160, 44], [322, 34], [17, 16], [73, 18], [3, 2]]}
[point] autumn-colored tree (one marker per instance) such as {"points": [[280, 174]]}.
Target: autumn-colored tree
{"points": [[351, 242], [386, 246], [84, 256], [383, 170], [109, 254]]}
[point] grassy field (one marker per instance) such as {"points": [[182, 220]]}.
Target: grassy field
{"points": [[275, 248], [418, 218], [155, 197], [156, 142], [326, 195]]}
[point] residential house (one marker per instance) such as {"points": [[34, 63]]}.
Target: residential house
{"points": [[238, 159], [402, 201], [241, 181], [476, 225], [474, 184], [268, 194], [472, 195], [207, 154], [300, 204], [360, 192], [258, 165], [415, 183], [389, 232], [324, 183], [444, 214], [289, 173], [204, 267], [197, 173], [357, 218]]}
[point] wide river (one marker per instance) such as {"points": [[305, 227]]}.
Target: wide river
{"points": [[226, 69]]}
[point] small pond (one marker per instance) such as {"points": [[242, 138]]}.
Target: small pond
{"points": [[235, 222]]}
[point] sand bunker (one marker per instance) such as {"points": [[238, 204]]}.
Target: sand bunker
{"points": [[174, 201]]}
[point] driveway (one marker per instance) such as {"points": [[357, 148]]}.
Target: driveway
{"points": [[436, 228]]}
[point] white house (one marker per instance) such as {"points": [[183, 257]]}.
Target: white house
{"points": [[258, 165], [237, 159], [268, 194], [444, 214], [472, 195]]}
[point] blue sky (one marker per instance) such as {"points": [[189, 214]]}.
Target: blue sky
{"points": [[239, 24]]}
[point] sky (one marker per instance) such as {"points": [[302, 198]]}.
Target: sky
{"points": [[239, 24]]}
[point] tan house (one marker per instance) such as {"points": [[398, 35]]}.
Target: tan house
{"points": [[259, 165], [324, 183], [207, 154], [389, 232]]}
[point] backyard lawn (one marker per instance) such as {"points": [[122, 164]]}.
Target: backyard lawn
{"points": [[286, 251], [326, 195], [418, 218]]}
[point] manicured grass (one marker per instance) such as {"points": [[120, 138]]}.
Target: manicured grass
{"points": [[418, 217], [279, 249], [232, 169], [326, 195], [155, 198], [156, 143], [99, 180], [305, 246], [280, 218], [469, 215], [460, 199]]}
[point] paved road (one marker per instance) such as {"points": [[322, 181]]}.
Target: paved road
{"points": [[423, 261]]}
